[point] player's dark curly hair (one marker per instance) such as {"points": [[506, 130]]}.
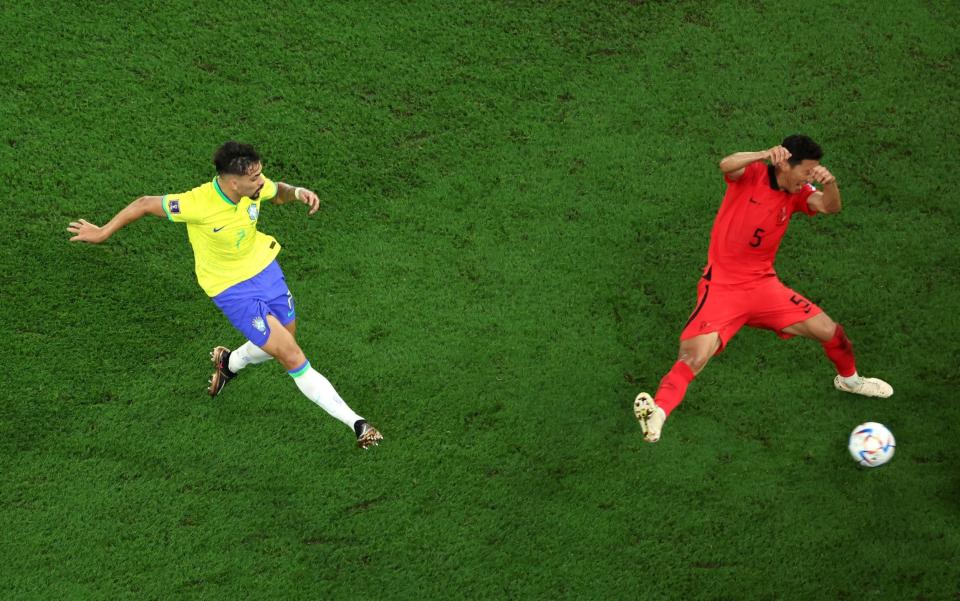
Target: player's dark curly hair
{"points": [[801, 148], [234, 158]]}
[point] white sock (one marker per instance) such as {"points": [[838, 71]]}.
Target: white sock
{"points": [[319, 390], [248, 354], [851, 381]]}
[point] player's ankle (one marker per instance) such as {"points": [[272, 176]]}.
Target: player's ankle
{"points": [[851, 380]]}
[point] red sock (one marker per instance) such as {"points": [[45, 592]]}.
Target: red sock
{"points": [[840, 351], [673, 386]]}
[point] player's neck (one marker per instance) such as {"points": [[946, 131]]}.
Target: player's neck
{"points": [[233, 196]]}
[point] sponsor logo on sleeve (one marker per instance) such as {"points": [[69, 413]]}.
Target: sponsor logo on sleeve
{"points": [[174, 206]]}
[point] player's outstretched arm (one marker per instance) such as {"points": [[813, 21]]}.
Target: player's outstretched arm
{"points": [[734, 164], [84, 231], [287, 193], [828, 199]]}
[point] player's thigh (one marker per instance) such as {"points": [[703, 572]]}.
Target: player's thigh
{"points": [[697, 351], [282, 345], [819, 327], [719, 314], [291, 327], [280, 300], [788, 313]]}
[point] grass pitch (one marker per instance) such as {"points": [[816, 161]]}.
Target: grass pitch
{"points": [[517, 199]]}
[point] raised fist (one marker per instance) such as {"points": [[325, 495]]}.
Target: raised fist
{"points": [[822, 175], [777, 154]]}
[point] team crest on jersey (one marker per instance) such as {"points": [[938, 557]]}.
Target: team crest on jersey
{"points": [[259, 324], [174, 206], [782, 218], [253, 212]]}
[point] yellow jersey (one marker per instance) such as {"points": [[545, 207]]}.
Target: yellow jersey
{"points": [[227, 248]]}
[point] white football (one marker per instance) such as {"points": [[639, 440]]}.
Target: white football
{"points": [[871, 444]]}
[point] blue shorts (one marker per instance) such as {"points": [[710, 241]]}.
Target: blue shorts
{"points": [[248, 303]]}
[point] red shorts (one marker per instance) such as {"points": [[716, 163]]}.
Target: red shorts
{"points": [[766, 304]]}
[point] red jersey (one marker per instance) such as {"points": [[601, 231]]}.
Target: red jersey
{"points": [[750, 225]]}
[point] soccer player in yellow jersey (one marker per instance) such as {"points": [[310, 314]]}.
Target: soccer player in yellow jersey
{"points": [[236, 266]]}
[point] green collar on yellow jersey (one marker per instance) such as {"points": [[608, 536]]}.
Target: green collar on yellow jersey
{"points": [[216, 186]]}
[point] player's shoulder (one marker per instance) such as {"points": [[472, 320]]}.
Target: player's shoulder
{"points": [[751, 173], [805, 191], [212, 197], [801, 199], [759, 174], [270, 189], [193, 205], [197, 193]]}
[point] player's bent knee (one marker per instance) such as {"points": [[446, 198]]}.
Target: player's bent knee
{"points": [[294, 363], [823, 327], [696, 352], [283, 346], [290, 355], [291, 358], [696, 361]]}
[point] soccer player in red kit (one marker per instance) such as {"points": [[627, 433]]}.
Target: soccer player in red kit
{"points": [[739, 285]]}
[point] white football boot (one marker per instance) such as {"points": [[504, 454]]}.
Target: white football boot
{"points": [[866, 386], [650, 416]]}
